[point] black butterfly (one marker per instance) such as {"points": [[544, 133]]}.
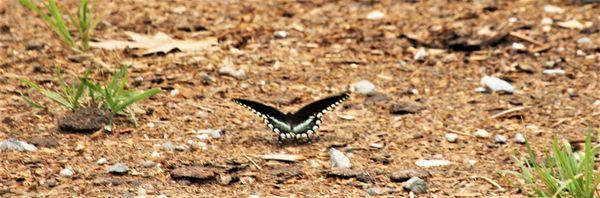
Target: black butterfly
{"points": [[300, 124]]}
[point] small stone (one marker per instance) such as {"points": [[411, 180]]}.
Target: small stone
{"points": [[138, 80], [571, 24], [282, 157], [451, 137], [481, 90], [547, 21], [202, 136], [168, 146], [552, 9], [193, 173], [520, 138], [343, 173], [182, 147], [482, 133], [141, 193], [363, 87], [500, 139], [554, 72], [420, 54], [546, 28], [102, 161], [431, 163], [338, 159], [281, 34], [174, 92], [118, 169], [44, 141], [16, 145], [584, 40], [203, 145], [155, 154], [207, 79], [497, 85], [78, 58], [376, 145], [580, 53], [472, 162], [596, 103], [84, 120], [162, 196], [149, 164], [406, 107], [34, 45], [66, 172], [519, 47], [227, 68], [416, 185], [375, 15], [513, 19], [549, 64], [405, 174], [374, 191]]}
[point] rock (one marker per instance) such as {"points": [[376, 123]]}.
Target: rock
{"points": [[118, 169], [584, 40], [16, 145], [227, 68], [363, 87], [281, 34], [376, 145], [45, 141], [102, 161], [482, 133], [547, 21], [374, 191], [497, 84], [149, 164], [420, 54], [513, 19], [225, 179], [451, 137], [155, 154], [107, 181], [546, 28], [214, 133], [84, 120], [580, 53], [481, 90], [193, 174], [519, 47], [66, 172], [596, 103], [174, 92], [207, 79], [34, 45], [405, 107], [338, 159], [375, 15], [552, 9], [343, 173], [500, 139], [376, 98], [162, 196], [554, 72], [520, 138], [430, 163], [416, 185], [381, 158], [571, 24], [168, 146], [405, 174]]}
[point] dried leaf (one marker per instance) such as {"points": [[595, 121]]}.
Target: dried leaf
{"points": [[160, 42]]}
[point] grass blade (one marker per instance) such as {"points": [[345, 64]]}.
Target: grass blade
{"points": [[31, 102], [137, 97]]}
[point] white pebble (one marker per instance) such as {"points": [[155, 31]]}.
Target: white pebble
{"points": [[430, 163], [481, 90], [155, 154], [174, 92], [497, 85], [513, 19], [363, 87], [500, 139], [281, 34], [546, 28], [554, 72], [580, 53], [520, 138], [482, 133], [519, 46], [203, 145], [203, 136], [338, 159], [376, 145], [375, 15], [451, 137], [66, 172], [552, 9], [547, 21], [420, 54], [102, 161]]}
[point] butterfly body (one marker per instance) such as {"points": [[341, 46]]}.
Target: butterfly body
{"points": [[301, 124]]}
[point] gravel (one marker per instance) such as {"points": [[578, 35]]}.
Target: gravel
{"points": [[482, 133], [375, 15], [102, 161], [520, 138], [500, 139], [118, 169], [416, 185], [149, 164], [338, 159], [16, 145], [363, 87], [497, 85], [451, 137], [168, 146], [227, 68], [431, 163], [281, 34], [554, 72], [66, 172], [420, 54], [584, 40]]}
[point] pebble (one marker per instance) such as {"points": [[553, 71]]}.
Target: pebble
{"points": [[162, 196], [500, 139], [546, 28], [519, 46], [376, 145], [375, 15], [482, 133], [430, 163], [416, 185], [182, 147], [203, 145], [281, 34], [16, 145], [481, 90], [168, 146], [374, 191], [584, 40], [338, 159], [420, 54], [513, 19], [580, 53], [596, 103], [363, 87], [202, 136], [214, 133], [451, 137], [405, 174], [554, 72], [497, 85], [571, 24], [102, 161], [174, 92], [155, 154], [149, 164], [552, 9], [118, 169], [34, 45], [520, 138], [547, 21], [227, 68], [66, 172]]}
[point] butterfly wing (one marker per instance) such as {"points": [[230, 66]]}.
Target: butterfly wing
{"points": [[273, 118], [308, 118]]}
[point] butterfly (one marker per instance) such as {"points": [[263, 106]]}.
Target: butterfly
{"points": [[301, 124]]}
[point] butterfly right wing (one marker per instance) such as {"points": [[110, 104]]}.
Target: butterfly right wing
{"points": [[273, 118]]}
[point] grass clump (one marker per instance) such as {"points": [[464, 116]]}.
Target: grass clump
{"points": [[563, 173], [83, 21], [113, 97]]}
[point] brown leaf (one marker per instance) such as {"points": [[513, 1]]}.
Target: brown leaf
{"points": [[160, 42]]}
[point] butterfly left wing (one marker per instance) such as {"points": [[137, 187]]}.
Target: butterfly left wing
{"points": [[273, 118]]}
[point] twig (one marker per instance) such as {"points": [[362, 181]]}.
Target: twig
{"points": [[252, 161], [457, 132], [503, 113], [489, 181], [526, 38]]}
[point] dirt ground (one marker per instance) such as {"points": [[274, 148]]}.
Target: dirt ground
{"points": [[329, 46]]}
